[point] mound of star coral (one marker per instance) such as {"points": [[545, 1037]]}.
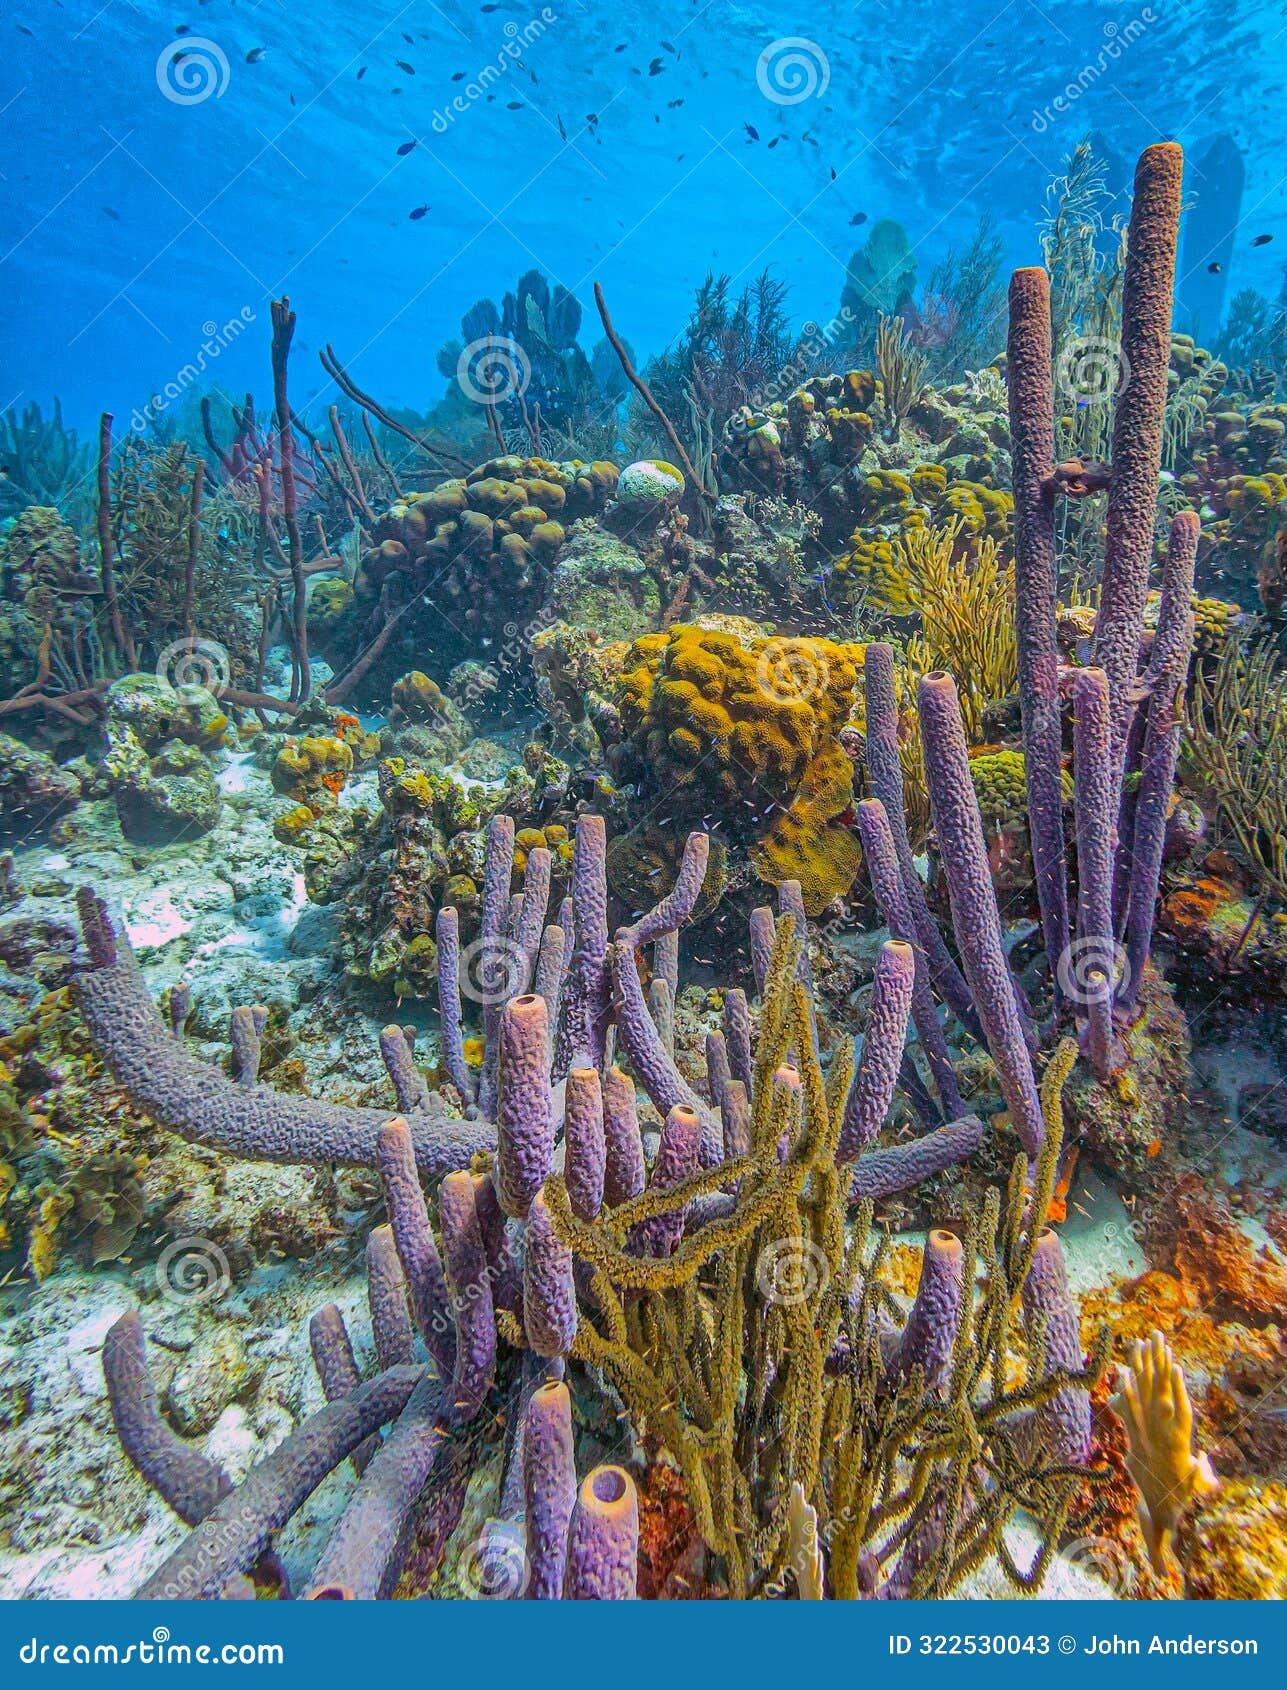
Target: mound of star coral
{"points": [[730, 722], [484, 543]]}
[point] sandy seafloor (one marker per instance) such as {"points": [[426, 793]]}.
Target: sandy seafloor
{"points": [[228, 912]]}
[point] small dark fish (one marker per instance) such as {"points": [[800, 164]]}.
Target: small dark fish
{"points": [[655, 67], [754, 134], [255, 54], [114, 215], [291, 98], [592, 117], [418, 213], [833, 173], [1215, 269], [773, 143], [534, 77], [667, 46], [671, 104], [458, 76], [622, 47], [361, 73], [25, 30], [492, 6], [1262, 240], [405, 68], [179, 29], [858, 219], [563, 134], [409, 39], [405, 148], [513, 105]]}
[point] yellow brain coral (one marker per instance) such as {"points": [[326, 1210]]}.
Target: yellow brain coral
{"points": [[747, 725]]}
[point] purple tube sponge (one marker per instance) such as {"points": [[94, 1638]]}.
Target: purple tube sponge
{"points": [[549, 1294], [1061, 1426], [603, 1543], [737, 1035], [1138, 420], [204, 1106], [1032, 433], [453, 1032], [239, 1527], [587, 990], [935, 1316], [549, 1485], [887, 883], [872, 1090], [386, 1290], [417, 1249], [524, 1110], [677, 1159], [975, 918], [1161, 748], [881, 1173], [624, 1171], [189, 1481], [1094, 791], [498, 970], [469, 1277], [885, 774], [584, 1143]]}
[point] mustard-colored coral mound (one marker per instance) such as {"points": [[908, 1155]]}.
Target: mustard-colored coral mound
{"points": [[746, 726], [897, 506]]}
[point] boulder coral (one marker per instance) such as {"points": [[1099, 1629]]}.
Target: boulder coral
{"points": [[729, 721]]}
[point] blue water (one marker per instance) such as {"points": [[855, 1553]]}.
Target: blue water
{"points": [[133, 222]]}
